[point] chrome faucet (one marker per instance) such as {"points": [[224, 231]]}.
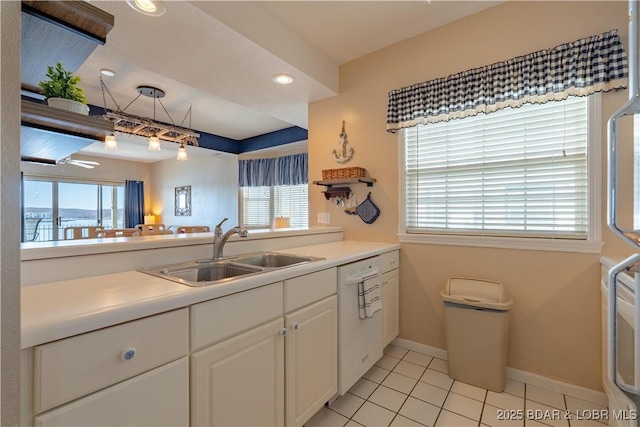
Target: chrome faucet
{"points": [[220, 239]]}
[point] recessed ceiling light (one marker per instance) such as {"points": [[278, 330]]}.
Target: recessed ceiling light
{"points": [[107, 72], [283, 79], [148, 7]]}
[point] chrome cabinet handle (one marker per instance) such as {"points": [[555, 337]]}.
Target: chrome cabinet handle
{"points": [[295, 326], [283, 332]]}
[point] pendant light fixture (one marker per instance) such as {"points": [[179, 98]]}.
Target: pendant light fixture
{"points": [[182, 153], [110, 142], [155, 93], [154, 143], [154, 131]]}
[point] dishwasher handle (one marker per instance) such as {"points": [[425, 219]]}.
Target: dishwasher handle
{"points": [[360, 279]]}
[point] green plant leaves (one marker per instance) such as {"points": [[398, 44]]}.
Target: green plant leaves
{"points": [[62, 84]]}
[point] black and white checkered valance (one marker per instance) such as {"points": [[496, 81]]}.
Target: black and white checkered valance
{"points": [[594, 64]]}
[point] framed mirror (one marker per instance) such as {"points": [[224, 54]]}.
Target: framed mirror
{"points": [[183, 201]]}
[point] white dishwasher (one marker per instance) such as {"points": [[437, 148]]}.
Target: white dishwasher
{"points": [[360, 340]]}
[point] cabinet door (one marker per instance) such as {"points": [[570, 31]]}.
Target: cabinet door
{"points": [[159, 397], [240, 381], [390, 305], [312, 359]]}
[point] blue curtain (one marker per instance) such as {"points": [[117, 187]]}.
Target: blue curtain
{"points": [[133, 203], [292, 170], [22, 236], [594, 64], [257, 172], [286, 170]]}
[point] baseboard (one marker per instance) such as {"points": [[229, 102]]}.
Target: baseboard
{"points": [[420, 348], [558, 386], [517, 375]]}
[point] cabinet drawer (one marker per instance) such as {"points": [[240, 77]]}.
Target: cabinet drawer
{"points": [[305, 290], [159, 397], [73, 367], [389, 261], [219, 319]]}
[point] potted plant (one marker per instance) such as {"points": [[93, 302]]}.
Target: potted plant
{"points": [[61, 90]]}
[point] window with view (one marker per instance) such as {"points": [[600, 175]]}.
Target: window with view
{"points": [[517, 172], [52, 204]]}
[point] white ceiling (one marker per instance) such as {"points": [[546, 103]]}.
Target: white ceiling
{"points": [[220, 56]]}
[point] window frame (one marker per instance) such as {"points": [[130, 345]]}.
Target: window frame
{"points": [[272, 208], [593, 242]]}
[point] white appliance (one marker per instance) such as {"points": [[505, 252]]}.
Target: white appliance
{"points": [[622, 378], [622, 410], [360, 340]]}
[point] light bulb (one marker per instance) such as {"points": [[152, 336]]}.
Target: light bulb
{"points": [[182, 152], [154, 143], [146, 5], [110, 142], [283, 79]]}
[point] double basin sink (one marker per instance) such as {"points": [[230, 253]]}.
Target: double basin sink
{"points": [[212, 271]]}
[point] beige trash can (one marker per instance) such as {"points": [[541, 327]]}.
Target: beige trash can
{"points": [[477, 327]]}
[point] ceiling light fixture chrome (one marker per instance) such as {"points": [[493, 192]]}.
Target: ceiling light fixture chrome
{"points": [[153, 130], [148, 7], [283, 79]]}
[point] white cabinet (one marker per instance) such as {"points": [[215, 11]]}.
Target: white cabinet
{"points": [[267, 356], [135, 373], [312, 359], [240, 381], [255, 366], [389, 263], [159, 397], [237, 379]]}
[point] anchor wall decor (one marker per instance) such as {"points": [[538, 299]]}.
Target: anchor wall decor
{"points": [[342, 155]]}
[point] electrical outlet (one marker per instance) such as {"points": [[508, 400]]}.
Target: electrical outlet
{"points": [[324, 218]]}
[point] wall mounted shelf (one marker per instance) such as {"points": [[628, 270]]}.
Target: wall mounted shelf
{"points": [[342, 192], [346, 181]]}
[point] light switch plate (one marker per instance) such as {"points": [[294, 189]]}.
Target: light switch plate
{"points": [[324, 218]]}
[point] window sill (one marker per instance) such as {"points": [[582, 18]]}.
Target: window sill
{"points": [[531, 244]]}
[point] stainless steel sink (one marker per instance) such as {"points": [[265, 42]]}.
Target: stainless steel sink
{"points": [[208, 272], [274, 259], [202, 273]]}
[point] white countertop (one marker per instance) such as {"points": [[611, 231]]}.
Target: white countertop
{"points": [[57, 310]]}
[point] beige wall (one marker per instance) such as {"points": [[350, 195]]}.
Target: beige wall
{"points": [[555, 324], [214, 190]]}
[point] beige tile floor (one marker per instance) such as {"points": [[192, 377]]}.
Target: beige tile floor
{"points": [[406, 388]]}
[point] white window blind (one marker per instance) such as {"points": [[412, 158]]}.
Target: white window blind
{"points": [[261, 204], [292, 201], [256, 207], [514, 172]]}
